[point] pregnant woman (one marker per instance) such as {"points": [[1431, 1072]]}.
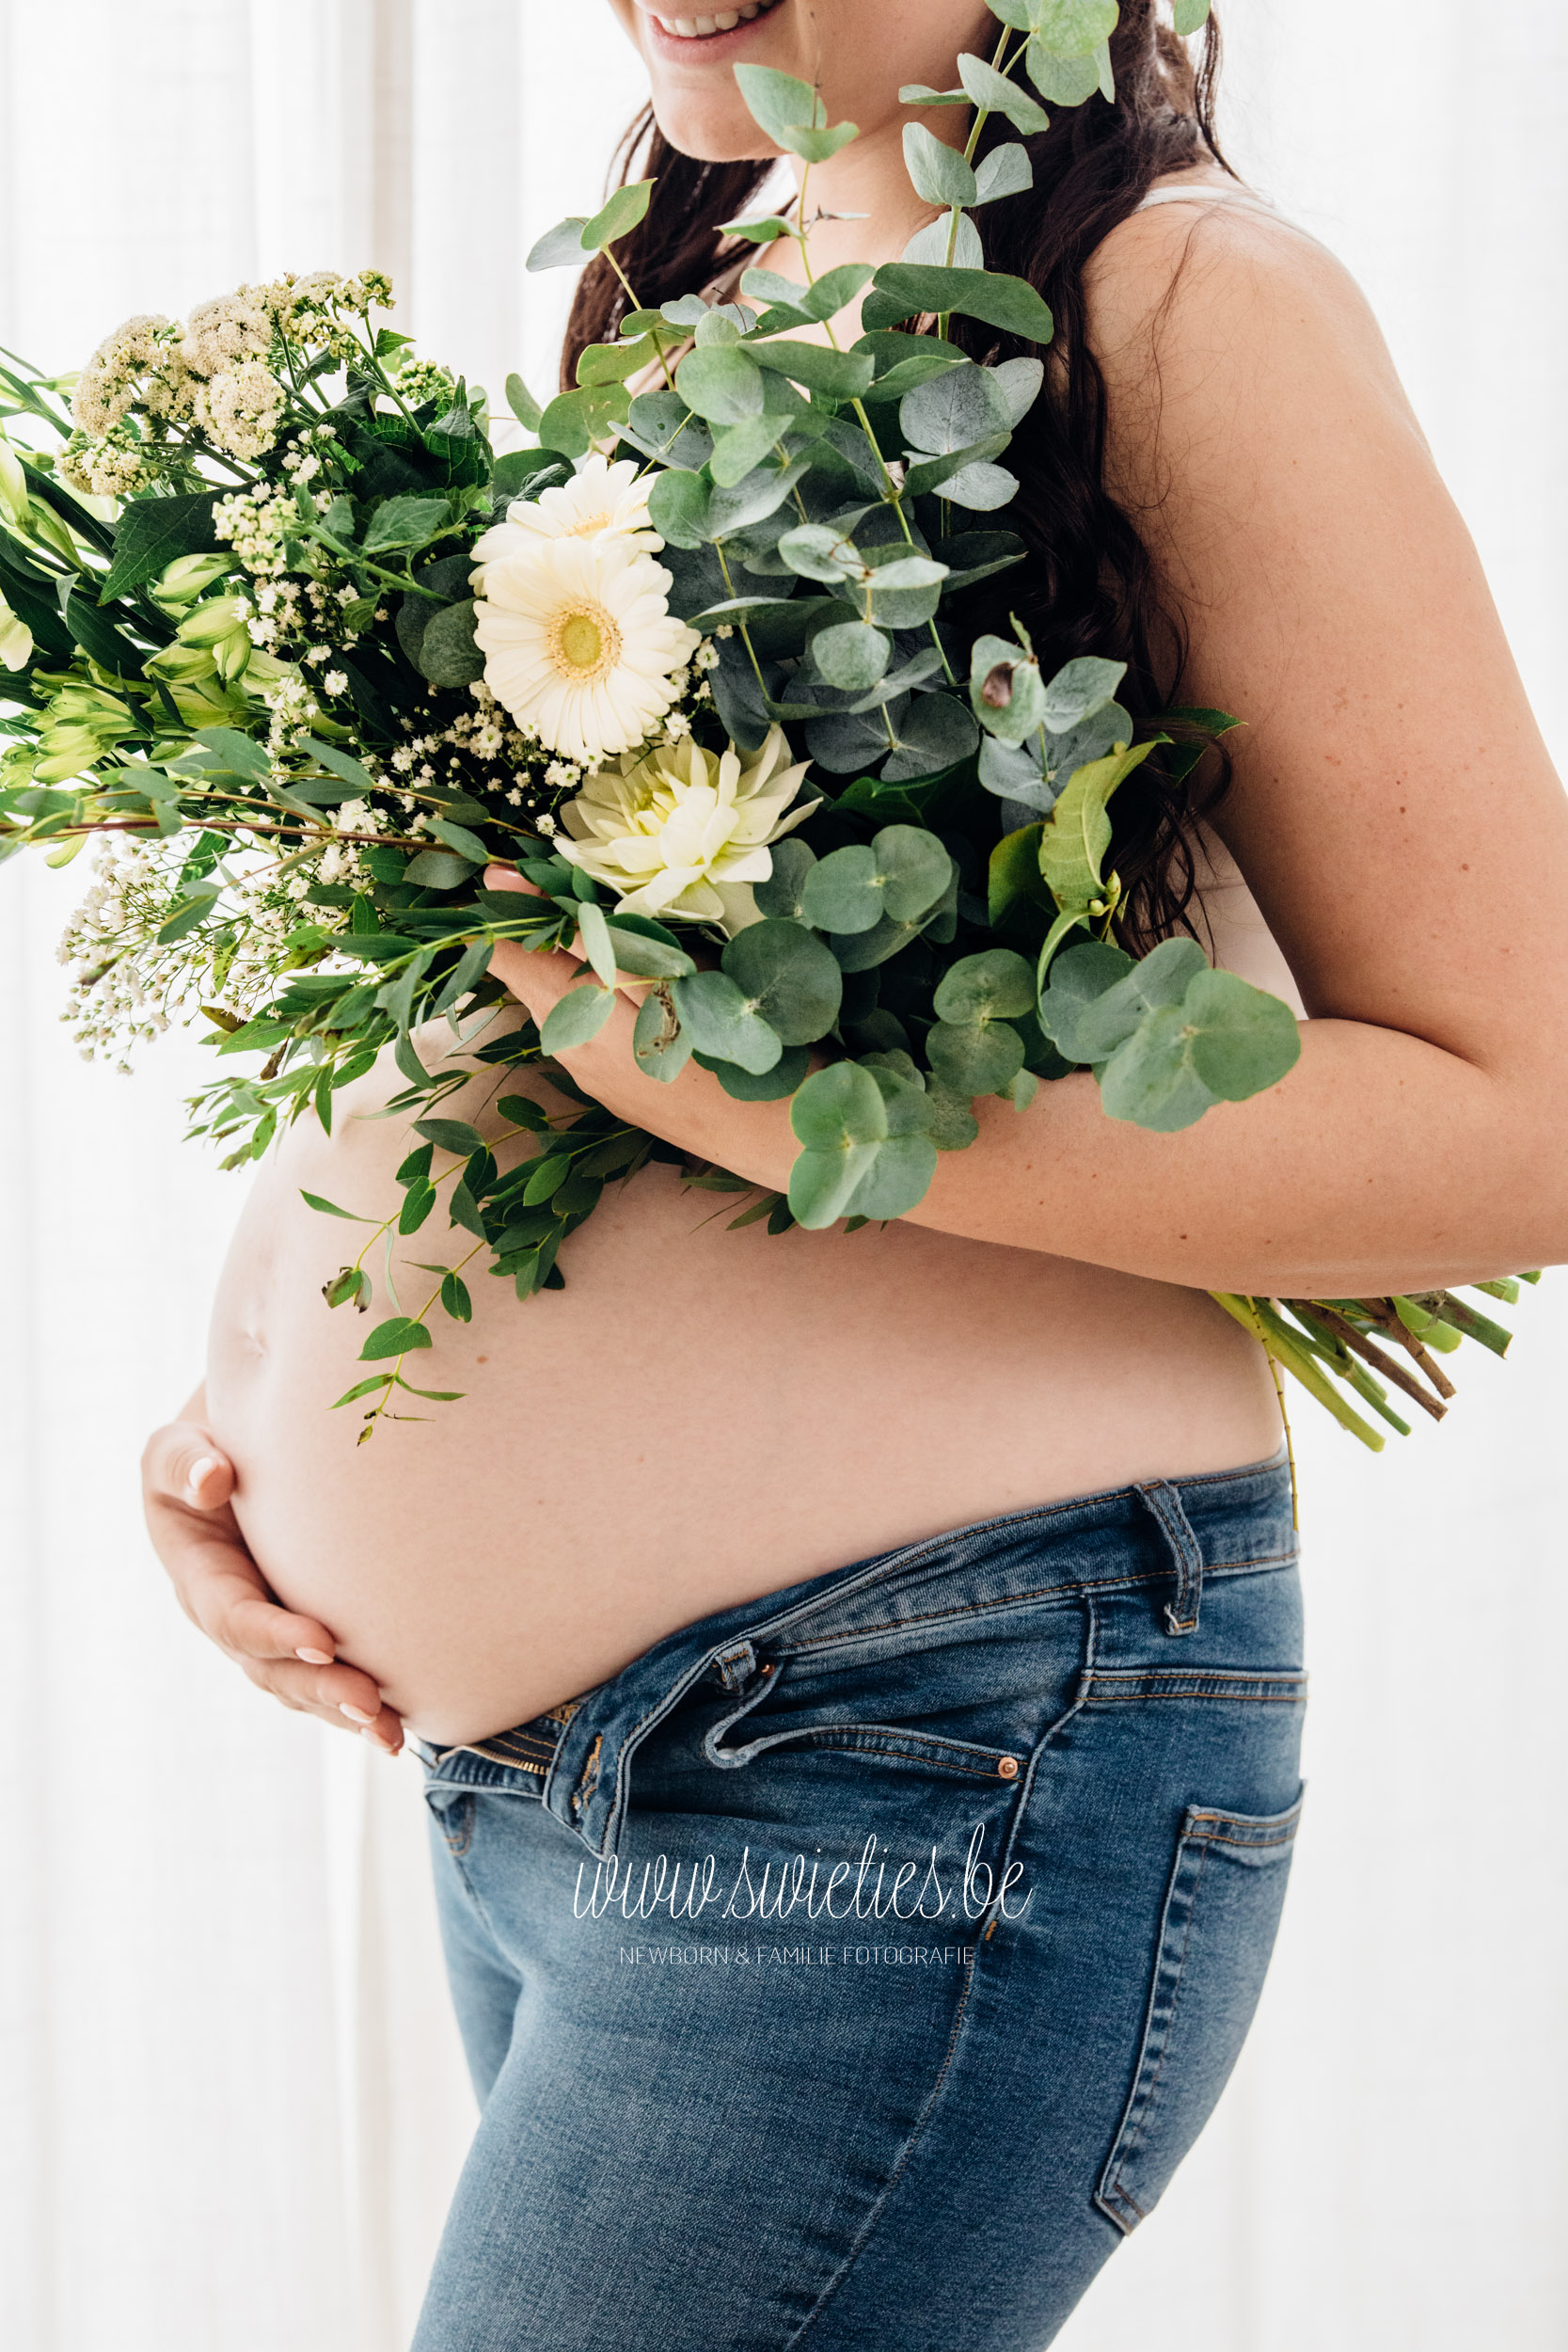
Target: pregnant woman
{"points": [[858, 1679]]}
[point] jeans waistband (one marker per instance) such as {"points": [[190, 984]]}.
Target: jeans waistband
{"points": [[1179, 1531]]}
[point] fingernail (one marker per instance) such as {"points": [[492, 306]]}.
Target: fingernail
{"points": [[316, 1658], [383, 1747], [200, 1469], [355, 1714]]}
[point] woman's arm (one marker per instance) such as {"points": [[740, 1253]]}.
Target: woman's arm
{"points": [[1394, 812], [186, 1483]]}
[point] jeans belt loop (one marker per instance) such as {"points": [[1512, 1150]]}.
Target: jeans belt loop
{"points": [[1164, 1507], [737, 1665]]}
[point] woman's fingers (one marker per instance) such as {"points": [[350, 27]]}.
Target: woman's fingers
{"points": [[339, 1695]]}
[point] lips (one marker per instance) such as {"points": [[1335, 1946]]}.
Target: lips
{"points": [[711, 28]]}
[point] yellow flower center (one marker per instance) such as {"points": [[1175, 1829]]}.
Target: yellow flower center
{"points": [[584, 642], [590, 523]]}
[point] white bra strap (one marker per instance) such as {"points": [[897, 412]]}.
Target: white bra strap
{"points": [[1240, 197]]}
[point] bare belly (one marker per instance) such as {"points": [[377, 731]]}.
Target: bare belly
{"points": [[699, 1418]]}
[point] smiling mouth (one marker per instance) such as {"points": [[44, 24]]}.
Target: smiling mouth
{"points": [[708, 27]]}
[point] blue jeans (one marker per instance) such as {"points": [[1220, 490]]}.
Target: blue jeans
{"points": [[854, 1970]]}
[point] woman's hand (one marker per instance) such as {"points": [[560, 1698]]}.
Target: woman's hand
{"points": [[186, 1486]]}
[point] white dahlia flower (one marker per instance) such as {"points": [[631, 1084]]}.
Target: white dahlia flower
{"points": [[600, 497], [579, 643], [680, 831]]}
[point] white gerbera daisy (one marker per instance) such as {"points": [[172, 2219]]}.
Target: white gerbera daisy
{"points": [[681, 831], [579, 643], [600, 497]]}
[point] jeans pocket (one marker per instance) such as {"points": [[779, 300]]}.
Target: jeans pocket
{"points": [[1216, 1935], [453, 1811]]}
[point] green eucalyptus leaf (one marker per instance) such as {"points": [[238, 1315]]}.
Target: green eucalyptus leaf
{"points": [[660, 1046], [936, 732], [1075, 28], [1078, 691], [1064, 81], [722, 384], [981, 487], [679, 504], [721, 1022], [1078, 979], [791, 113], [998, 95], [447, 655], [743, 446], [902, 290], [768, 1086], [522, 403], [1094, 1005], [851, 656], [438, 870], [1241, 1040], [836, 374], [785, 974], [575, 1018], [932, 473], [953, 410], [781, 894], [1191, 16], [560, 247], [625, 208], [922, 94], [1005, 171], [897, 1179], [1005, 690], [644, 958], [995, 985], [818, 551], [975, 1056], [939, 172], [400, 1335]]}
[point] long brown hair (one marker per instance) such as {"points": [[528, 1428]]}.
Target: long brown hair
{"points": [[1090, 585]]}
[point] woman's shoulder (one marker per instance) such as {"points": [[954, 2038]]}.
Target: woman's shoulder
{"points": [[1221, 324]]}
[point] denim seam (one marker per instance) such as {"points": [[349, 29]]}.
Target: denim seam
{"points": [[1143, 2096], [1023, 1788], [837, 1745], [1067, 1591]]}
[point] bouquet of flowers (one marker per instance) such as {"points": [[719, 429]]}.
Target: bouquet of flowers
{"points": [[302, 656]]}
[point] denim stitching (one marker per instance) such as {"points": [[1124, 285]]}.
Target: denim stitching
{"points": [[1023, 1788]]}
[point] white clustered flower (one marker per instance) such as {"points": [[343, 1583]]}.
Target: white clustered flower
{"points": [[107, 387], [681, 831], [706, 657], [545, 824], [230, 327], [238, 409], [336, 682], [579, 642], [600, 497]]}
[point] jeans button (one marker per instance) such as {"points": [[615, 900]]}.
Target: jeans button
{"points": [[1009, 1767]]}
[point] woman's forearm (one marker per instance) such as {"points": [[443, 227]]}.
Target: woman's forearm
{"points": [[1382, 1163]]}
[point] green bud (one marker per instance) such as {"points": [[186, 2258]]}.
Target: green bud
{"points": [[16, 639], [213, 621], [191, 576], [15, 503]]}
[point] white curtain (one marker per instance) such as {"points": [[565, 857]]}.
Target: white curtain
{"points": [[230, 2098]]}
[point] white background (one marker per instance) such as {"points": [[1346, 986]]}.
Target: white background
{"points": [[233, 2099]]}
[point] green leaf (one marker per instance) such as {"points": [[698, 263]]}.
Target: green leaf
{"points": [[922, 94], [451, 1135], [791, 113], [1005, 691], [1243, 1041], [785, 974], [330, 1208], [838, 1114], [1014, 874], [455, 1299], [781, 894], [1077, 834], [560, 247], [645, 955], [546, 1177], [1075, 28], [900, 875], [1066, 81], [1004, 171], [954, 411], [399, 1335], [350, 770], [593, 939], [1077, 692], [364, 1388], [939, 172], [660, 1048], [722, 384], [447, 655], [897, 1180], [438, 870], [1191, 16], [1097, 997], [721, 1022], [613, 363], [679, 506], [405, 522], [994, 985], [575, 1018], [852, 655], [458, 837], [902, 290], [743, 446], [762, 230], [574, 420], [975, 1056], [836, 374], [998, 95], [151, 533], [625, 208], [522, 403]]}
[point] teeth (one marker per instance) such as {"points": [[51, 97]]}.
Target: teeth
{"points": [[701, 27]]}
